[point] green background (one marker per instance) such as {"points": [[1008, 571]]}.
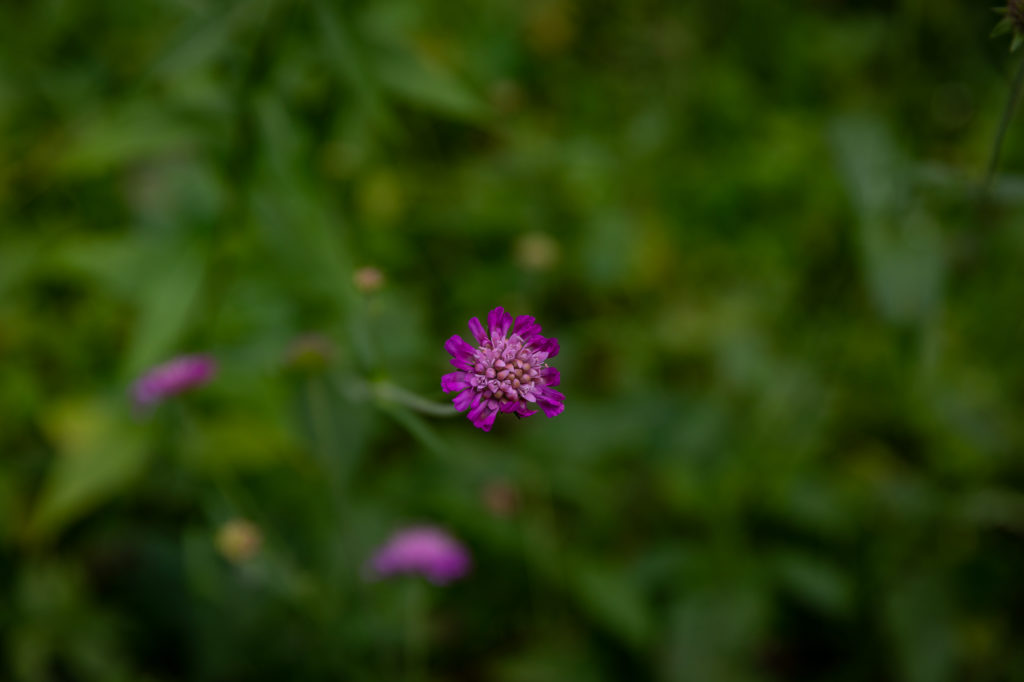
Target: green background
{"points": [[790, 320]]}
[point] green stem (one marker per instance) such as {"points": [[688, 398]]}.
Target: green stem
{"points": [[420, 430], [415, 631], [324, 436], [326, 446], [388, 392], [1004, 124], [546, 543]]}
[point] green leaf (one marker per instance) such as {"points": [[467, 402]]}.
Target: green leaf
{"points": [[100, 451], [230, 443], [345, 54], [816, 581], [902, 252], [713, 631], [613, 601], [549, 661], [165, 301], [429, 86], [119, 137], [921, 622], [1002, 28]]}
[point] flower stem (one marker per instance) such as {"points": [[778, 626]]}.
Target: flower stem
{"points": [[325, 442], [415, 631], [327, 448], [388, 392], [1004, 124]]}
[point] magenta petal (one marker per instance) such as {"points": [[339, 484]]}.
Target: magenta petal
{"points": [[532, 338], [551, 394], [458, 348], [478, 409], [526, 325], [500, 322], [494, 318], [523, 411], [460, 363], [463, 400], [454, 381], [487, 421], [552, 409], [551, 401], [551, 347], [551, 376], [479, 333]]}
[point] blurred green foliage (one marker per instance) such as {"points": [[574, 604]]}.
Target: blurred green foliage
{"points": [[790, 322]]}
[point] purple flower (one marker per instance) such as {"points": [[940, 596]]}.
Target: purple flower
{"points": [[503, 374], [173, 377], [426, 550]]}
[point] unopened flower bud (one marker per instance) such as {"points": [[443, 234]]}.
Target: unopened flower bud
{"points": [[536, 251], [310, 353], [501, 498], [368, 279], [239, 540]]}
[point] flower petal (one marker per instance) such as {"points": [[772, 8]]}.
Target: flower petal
{"points": [[458, 348], [484, 419], [454, 381], [551, 376], [551, 347], [479, 333], [500, 322], [526, 325], [551, 401], [464, 399], [487, 421], [464, 365], [478, 409], [523, 411]]}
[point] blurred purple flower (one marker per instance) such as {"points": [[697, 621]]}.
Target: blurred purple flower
{"points": [[427, 550], [173, 377], [503, 374]]}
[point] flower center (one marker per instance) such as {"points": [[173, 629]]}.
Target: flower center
{"points": [[506, 370]]}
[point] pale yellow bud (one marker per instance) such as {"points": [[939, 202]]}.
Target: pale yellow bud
{"points": [[239, 540]]}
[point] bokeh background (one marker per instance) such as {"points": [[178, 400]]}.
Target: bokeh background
{"points": [[790, 319]]}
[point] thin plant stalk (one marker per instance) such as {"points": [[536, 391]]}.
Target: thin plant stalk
{"points": [[1004, 124], [415, 642], [325, 439], [319, 406], [386, 391]]}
